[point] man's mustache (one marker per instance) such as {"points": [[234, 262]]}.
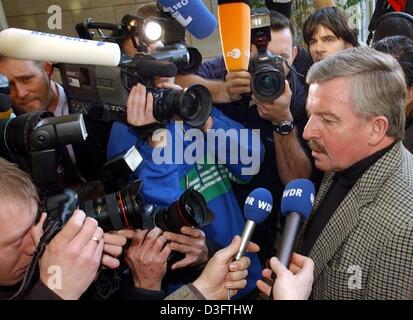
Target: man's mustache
{"points": [[317, 147]]}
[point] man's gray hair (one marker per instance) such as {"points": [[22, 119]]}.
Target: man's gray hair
{"points": [[378, 84]]}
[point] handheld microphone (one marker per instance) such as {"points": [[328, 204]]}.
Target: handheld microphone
{"points": [[234, 18], [257, 207], [193, 15], [40, 46], [296, 204]]}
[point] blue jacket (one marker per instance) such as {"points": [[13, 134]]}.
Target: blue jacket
{"points": [[164, 183]]}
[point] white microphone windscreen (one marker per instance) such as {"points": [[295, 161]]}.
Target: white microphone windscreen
{"points": [[33, 45]]}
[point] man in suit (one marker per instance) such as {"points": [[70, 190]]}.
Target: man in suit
{"points": [[360, 233]]}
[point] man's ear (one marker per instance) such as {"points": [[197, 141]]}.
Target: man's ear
{"points": [[409, 106], [295, 52], [48, 68], [378, 131]]}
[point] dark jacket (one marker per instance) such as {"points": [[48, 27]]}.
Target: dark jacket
{"points": [[38, 292]]}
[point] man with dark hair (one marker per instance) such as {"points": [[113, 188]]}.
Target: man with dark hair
{"points": [[402, 49], [327, 32]]}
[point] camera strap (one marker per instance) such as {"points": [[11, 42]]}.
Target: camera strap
{"points": [[53, 227]]}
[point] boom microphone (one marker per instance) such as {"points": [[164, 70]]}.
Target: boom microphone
{"points": [[234, 19], [40, 46], [193, 15], [256, 209], [296, 204]]}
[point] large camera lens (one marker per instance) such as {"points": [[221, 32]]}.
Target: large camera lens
{"points": [[189, 210], [268, 83], [193, 104], [116, 211]]}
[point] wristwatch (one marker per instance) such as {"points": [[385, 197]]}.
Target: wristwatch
{"points": [[283, 127]]}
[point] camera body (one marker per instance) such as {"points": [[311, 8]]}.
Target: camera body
{"points": [[126, 209], [36, 140], [267, 69]]}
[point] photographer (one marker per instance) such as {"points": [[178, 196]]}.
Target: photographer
{"points": [[164, 183], [70, 261], [32, 89]]}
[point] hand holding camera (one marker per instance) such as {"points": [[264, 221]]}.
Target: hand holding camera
{"points": [[277, 110], [147, 257], [190, 242], [236, 84], [71, 260]]}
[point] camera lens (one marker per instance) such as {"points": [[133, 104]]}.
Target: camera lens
{"points": [[189, 210], [268, 84], [118, 210], [193, 105]]}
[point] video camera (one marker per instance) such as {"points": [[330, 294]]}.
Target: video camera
{"points": [[101, 92], [267, 70]]}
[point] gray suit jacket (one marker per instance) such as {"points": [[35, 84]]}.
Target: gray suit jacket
{"points": [[186, 292], [366, 249]]}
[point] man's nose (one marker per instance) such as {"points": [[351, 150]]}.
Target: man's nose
{"points": [[310, 131], [20, 90], [320, 47]]}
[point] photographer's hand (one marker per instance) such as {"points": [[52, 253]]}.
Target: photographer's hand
{"points": [[235, 84], [147, 257], [71, 260], [112, 250], [140, 107], [140, 112], [278, 110], [192, 243]]}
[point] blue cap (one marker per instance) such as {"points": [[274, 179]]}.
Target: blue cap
{"points": [[258, 205], [298, 197]]}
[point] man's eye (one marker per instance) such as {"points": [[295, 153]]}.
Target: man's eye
{"points": [[327, 121]]}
